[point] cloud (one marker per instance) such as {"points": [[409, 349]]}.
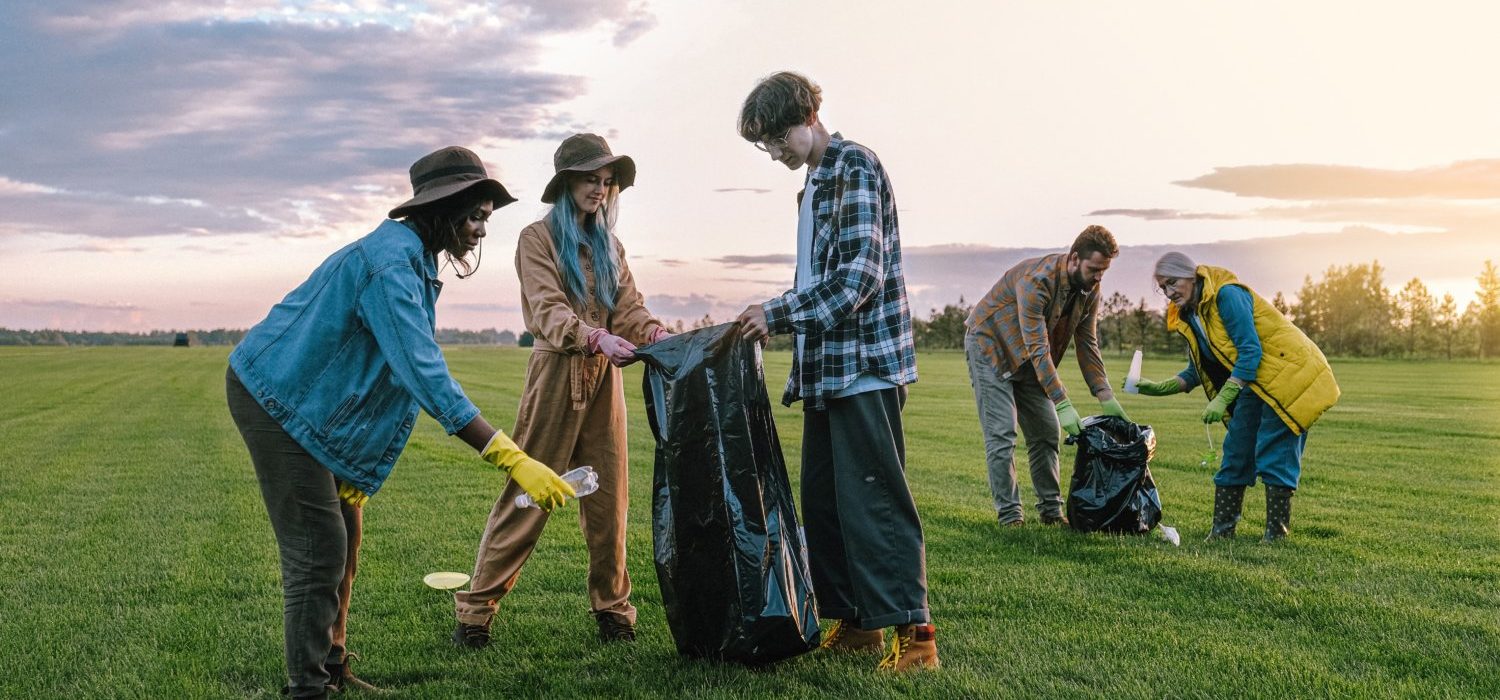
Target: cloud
{"points": [[755, 260], [752, 190], [1471, 179], [1164, 214], [690, 306], [262, 117]]}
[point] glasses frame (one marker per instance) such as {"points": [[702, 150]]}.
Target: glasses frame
{"points": [[1161, 289], [779, 143]]}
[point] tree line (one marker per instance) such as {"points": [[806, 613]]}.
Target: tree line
{"points": [[1349, 312], [217, 336]]}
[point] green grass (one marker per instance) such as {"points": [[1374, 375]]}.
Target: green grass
{"points": [[136, 559]]}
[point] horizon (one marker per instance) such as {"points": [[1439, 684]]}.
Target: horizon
{"points": [[204, 160]]}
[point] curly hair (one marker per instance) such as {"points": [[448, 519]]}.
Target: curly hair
{"points": [[778, 103], [1095, 239]]}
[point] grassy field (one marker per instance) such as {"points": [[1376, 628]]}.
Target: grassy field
{"points": [[136, 559]]}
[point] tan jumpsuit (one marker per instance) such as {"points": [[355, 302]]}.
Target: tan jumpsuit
{"points": [[572, 414]]}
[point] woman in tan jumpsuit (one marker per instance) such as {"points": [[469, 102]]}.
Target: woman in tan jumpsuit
{"points": [[587, 317]]}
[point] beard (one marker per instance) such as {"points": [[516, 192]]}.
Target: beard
{"points": [[1076, 278]]}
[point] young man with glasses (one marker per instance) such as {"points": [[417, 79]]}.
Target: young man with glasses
{"points": [[1016, 336], [853, 360]]}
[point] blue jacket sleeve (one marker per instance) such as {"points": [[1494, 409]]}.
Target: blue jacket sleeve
{"points": [[391, 306], [1236, 310], [1190, 377]]}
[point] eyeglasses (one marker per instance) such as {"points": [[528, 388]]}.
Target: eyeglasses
{"points": [[776, 143], [1165, 288]]}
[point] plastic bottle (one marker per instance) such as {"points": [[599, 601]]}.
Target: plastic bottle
{"points": [[583, 480], [1134, 375]]}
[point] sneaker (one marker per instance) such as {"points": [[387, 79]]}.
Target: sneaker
{"points": [[915, 647], [471, 636], [614, 627], [1055, 519], [845, 635], [341, 678]]}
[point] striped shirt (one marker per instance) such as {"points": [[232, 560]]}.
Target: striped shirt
{"points": [[1029, 316], [853, 312]]}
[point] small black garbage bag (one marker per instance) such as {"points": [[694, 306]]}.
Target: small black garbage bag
{"points": [[1112, 489], [729, 553]]}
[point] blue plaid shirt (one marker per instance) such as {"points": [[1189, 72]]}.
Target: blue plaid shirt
{"points": [[855, 314]]}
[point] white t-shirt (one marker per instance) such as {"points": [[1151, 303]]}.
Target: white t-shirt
{"points": [[865, 381]]}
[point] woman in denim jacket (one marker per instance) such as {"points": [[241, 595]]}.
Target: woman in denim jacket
{"points": [[326, 389]]}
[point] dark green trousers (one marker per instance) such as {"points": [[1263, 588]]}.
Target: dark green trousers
{"points": [[864, 539]]}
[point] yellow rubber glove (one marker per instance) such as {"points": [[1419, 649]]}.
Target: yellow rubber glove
{"points": [[1219, 407], [545, 487], [1068, 417]]}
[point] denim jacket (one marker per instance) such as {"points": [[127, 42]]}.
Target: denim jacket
{"points": [[343, 362]]}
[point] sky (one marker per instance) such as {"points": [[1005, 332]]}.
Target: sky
{"points": [[174, 165]]}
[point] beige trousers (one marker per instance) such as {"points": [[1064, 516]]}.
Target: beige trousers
{"points": [[563, 434]]}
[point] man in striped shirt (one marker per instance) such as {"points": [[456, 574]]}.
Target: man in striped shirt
{"points": [[1016, 336]]}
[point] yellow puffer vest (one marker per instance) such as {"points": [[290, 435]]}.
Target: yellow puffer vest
{"points": [[1294, 378]]}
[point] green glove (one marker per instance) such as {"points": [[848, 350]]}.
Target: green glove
{"points": [[1166, 387], [1112, 407], [1221, 403], [545, 487], [1068, 417]]}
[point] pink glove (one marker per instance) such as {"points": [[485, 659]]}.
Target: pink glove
{"points": [[619, 350], [661, 334]]}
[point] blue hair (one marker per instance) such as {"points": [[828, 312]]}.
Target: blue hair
{"points": [[567, 236]]}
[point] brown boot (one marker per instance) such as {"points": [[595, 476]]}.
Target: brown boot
{"points": [[915, 647], [341, 679], [845, 635]]}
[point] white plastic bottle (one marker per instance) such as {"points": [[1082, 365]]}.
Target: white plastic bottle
{"points": [[583, 480], [1134, 375]]}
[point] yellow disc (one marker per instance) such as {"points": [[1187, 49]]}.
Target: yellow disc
{"points": [[445, 580]]}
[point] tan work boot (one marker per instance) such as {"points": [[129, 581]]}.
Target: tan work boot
{"points": [[847, 636], [915, 647], [342, 679]]}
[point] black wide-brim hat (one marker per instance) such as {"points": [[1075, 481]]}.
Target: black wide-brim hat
{"points": [[585, 153], [445, 173]]}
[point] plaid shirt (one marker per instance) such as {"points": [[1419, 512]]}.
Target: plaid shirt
{"points": [[854, 316], [1030, 315]]}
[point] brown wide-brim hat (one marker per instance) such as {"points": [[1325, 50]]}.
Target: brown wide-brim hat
{"points": [[445, 173], [585, 153]]}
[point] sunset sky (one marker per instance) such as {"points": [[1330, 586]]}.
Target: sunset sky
{"points": [[185, 164]]}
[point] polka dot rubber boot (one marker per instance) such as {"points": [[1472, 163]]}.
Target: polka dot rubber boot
{"points": [[1228, 501], [1278, 512]]}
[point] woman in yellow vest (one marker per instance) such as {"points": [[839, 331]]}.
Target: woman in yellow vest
{"points": [[1236, 340]]}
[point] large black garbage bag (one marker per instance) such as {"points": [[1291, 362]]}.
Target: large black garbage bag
{"points": [[1112, 489], [729, 553]]}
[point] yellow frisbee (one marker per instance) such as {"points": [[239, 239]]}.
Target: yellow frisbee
{"points": [[445, 580]]}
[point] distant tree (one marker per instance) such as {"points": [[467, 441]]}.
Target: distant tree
{"points": [[1279, 301], [943, 329], [1113, 317], [526, 340], [1446, 323], [1487, 311], [1415, 314], [704, 322], [1349, 312], [506, 337]]}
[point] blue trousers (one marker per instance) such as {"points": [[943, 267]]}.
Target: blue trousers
{"points": [[1259, 443]]}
